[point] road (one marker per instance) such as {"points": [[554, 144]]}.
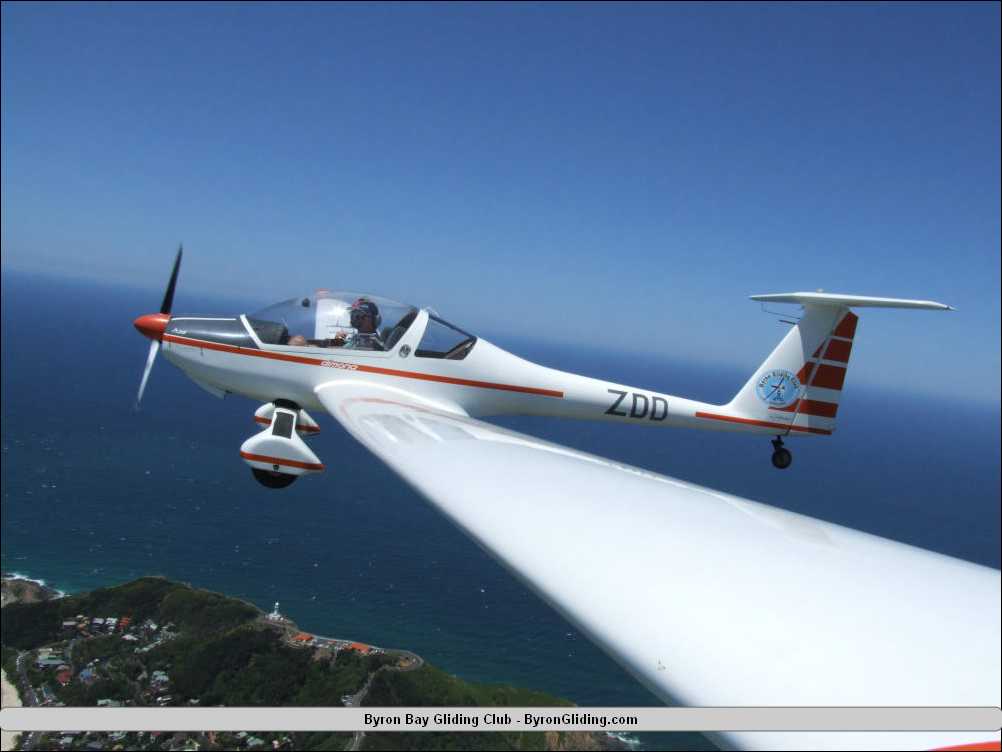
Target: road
{"points": [[356, 700], [28, 697]]}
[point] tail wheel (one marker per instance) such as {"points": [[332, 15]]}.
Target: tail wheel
{"points": [[781, 458], [272, 479]]}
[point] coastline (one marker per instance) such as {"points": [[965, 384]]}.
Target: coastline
{"points": [[32, 592], [30, 588]]}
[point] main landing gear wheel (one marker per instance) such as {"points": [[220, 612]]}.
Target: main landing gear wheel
{"points": [[272, 479], [781, 457]]}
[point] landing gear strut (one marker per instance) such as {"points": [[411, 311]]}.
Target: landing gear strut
{"points": [[781, 457]]}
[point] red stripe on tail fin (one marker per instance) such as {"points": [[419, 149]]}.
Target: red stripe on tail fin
{"points": [[847, 326], [829, 377], [838, 349]]}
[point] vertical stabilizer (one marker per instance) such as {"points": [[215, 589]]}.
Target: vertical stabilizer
{"points": [[799, 384]]}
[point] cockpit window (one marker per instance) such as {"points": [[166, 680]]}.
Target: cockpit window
{"points": [[334, 320], [443, 340]]}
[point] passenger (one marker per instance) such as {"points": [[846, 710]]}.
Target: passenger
{"points": [[297, 340]]}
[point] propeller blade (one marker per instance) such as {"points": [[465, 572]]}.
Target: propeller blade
{"points": [[154, 349], [169, 294]]}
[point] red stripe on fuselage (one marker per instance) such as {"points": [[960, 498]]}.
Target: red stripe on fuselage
{"points": [[362, 368], [763, 423], [281, 461]]}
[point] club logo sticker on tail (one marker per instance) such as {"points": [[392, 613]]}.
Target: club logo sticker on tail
{"points": [[778, 388]]}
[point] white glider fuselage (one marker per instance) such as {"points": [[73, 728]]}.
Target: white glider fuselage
{"points": [[285, 352], [795, 391], [488, 381]]}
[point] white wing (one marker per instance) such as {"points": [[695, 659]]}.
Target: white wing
{"points": [[707, 598]]}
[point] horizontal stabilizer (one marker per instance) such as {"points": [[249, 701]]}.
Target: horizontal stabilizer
{"points": [[850, 301]]}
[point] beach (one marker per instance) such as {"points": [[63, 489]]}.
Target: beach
{"points": [[10, 699], [17, 588]]}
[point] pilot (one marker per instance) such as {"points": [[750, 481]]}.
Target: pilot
{"points": [[365, 320]]}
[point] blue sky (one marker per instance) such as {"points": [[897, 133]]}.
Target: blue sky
{"points": [[620, 174]]}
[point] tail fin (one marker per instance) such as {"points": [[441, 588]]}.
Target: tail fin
{"points": [[799, 385]]}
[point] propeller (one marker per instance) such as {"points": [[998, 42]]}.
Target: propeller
{"points": [[152, 325], [154, 349]]}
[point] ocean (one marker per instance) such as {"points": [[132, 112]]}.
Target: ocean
{"points": [[95, 493]]}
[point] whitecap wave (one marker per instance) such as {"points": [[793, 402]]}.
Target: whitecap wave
{"points": [[630, 741], [40, 582]]}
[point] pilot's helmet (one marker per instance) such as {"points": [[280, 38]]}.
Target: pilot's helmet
{"points": [[362, 308]]}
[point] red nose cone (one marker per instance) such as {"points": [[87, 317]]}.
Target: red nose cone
{"points": [[152, 325]]}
